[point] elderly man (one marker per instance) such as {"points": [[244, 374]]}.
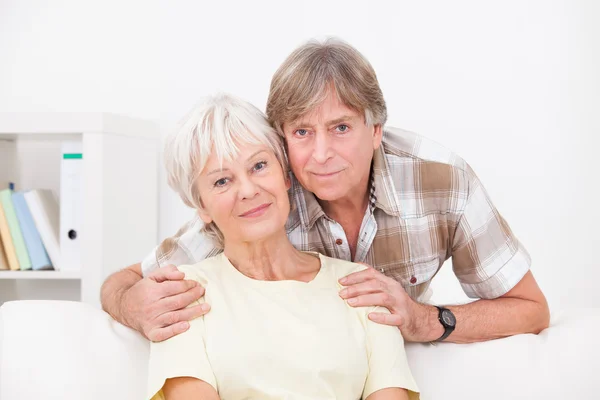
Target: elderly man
{"points": [[368, 193]]}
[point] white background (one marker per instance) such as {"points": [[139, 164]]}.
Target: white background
{"points": [[511, 86]]}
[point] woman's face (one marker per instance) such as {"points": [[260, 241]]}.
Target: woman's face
{"points": [[247, 198]]}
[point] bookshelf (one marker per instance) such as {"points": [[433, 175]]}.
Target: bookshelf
{"points": [[120, 199]]}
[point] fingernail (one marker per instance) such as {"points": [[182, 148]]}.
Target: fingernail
{"points": [[344, 292], [204, 307], [343, 280], [352, 301]]}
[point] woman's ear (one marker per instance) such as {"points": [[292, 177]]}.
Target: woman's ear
{"points": [[204, 217]]}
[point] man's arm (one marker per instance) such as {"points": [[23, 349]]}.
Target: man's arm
{"points": [[522, 310], [113, 289], [156, 305]]}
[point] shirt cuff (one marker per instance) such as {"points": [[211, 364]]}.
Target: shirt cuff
{"points": [[149, 263], [502, 281]]}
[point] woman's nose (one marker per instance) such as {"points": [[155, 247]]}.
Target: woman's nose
{"points": [[248, 188]]}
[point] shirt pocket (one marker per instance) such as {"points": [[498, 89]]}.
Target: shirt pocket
{"points": [[423, 272], [417, 285]]}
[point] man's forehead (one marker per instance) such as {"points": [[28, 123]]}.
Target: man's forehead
{"points": [[320, 116]]}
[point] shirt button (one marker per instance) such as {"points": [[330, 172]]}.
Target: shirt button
{"points": [[339, 242], [382, 270], [413, 280]]}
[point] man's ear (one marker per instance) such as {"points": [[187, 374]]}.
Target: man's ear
{"points": [[204, 217], [288, 182], [377, 136]]}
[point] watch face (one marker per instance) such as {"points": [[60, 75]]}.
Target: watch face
{"points": [[448, 318]]}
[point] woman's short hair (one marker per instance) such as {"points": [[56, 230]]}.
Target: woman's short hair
{"points": [[217, 124], [305, 78]]}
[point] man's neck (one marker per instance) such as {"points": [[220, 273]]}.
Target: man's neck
{"points": [[271, 259]]}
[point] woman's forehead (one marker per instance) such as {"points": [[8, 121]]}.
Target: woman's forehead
{"points": [[240, 154]]}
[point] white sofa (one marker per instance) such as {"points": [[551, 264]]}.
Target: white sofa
{"points": [[66, 350]]}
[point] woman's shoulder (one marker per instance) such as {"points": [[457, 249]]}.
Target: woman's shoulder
{"points": [[204, 271], [340, 268]]}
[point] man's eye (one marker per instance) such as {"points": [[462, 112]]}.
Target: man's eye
{"points": [[260, 165], [221, 182], [342, 128], [301, 132]]}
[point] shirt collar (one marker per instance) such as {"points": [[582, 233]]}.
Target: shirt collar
{"points": [[383, 185]]}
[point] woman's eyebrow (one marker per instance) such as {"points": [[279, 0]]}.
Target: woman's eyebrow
{"points": [[214, 171]]}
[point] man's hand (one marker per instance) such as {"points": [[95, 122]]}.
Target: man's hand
{"points": [[372, 288], [156, 305]]}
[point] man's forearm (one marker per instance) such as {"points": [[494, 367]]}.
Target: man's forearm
{"points": [[486, 320], [113, 290]]}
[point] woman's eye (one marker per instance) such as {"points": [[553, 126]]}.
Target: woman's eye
{"points": [[301, 132], [260, 165], [221, 182], [342, 128]]}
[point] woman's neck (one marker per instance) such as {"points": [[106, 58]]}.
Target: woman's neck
{"points": [[272, 259]]}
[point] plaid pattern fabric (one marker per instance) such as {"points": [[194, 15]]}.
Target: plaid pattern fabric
{"points": [[426, 206]]}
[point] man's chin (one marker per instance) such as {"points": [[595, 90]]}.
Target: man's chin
{"points": [[327, 194]]}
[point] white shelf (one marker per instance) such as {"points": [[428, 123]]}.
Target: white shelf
{"points": [[120, 197], [48, 124], [40, 275]]}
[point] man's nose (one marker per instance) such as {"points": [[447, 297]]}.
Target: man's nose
{"points": [[322, 150]]}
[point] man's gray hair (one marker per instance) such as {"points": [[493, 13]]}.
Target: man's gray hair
{"points": [[306, 77]]}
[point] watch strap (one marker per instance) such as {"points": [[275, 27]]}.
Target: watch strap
{"points": [[448, 329]]}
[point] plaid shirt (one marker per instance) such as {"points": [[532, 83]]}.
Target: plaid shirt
{"points": [[426, 206]]}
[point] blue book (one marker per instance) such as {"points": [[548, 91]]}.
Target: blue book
{"points": [[33, 241]]}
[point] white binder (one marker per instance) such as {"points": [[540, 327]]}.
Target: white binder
{"points": [[71, 203]]}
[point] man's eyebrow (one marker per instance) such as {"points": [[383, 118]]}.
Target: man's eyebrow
{"points": [[340, 119], [332, 122]]}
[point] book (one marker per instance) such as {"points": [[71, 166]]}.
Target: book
{"points": [[35, 247], [3, 260], [15, 230], [7, 243], [46, 217], [71, 205]]}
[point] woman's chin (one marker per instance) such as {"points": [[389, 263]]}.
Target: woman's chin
{"points": [[261, 232]]}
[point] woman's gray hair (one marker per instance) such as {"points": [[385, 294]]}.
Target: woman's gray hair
{"points": [[217, 124], [305, 78]]}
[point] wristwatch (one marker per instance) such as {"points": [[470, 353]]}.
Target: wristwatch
{"points": [[448, 321]]}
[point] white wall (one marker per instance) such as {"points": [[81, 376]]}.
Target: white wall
{"points": [[511, 86]]}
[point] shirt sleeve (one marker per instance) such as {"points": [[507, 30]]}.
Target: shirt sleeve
{"points": [[388, 365], [188, 246], [487, 258], [183, 355]]}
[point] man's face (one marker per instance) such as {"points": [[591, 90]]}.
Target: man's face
{"points": [[330, 150]]}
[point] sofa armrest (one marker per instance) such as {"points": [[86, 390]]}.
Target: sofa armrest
{"points": [[69, 350]]}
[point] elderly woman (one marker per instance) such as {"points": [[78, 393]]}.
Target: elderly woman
{"points": [[278, 328]]}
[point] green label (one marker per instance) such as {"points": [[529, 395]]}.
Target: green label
{"points": [[72, 156]]}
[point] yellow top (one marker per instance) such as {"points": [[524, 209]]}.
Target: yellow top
{"points": [[282, 339]]}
